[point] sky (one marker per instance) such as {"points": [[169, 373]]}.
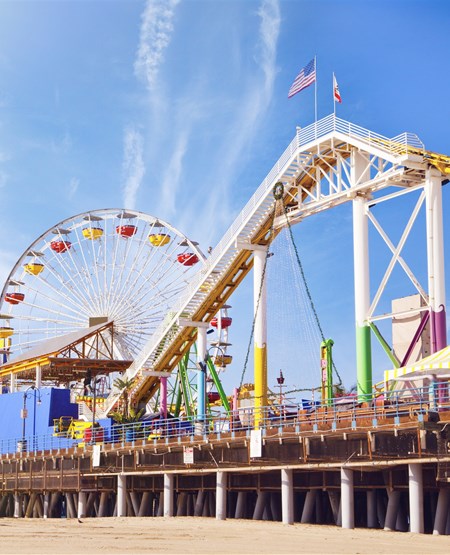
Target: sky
{"points": [[179, 108]]}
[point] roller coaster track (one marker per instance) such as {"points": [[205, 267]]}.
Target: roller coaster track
{"points": [[232, 259]]}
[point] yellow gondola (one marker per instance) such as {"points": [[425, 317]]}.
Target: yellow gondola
{"points": [[34, 268], [92, 233], [6, 332], [222, 360], [159, 239]]}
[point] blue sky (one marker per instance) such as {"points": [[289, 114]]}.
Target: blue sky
{"points": [[179, 109]]}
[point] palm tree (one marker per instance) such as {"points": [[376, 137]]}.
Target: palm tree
{"points": [[124, 386]]}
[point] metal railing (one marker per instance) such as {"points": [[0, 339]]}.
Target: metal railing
{"points": [[380, 411]]}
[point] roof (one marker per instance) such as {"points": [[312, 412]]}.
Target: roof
{"points": [[437, 363], [54, 345]]}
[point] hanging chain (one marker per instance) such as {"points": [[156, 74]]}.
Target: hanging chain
{"points": [[302, 272], [278, 193]]}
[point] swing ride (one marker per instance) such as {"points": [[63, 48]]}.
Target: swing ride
{"points": [[122, 293]]}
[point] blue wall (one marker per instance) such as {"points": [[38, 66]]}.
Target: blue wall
{"points": [[54, 403]]}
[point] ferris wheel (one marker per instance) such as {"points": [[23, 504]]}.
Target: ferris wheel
{"points": [[100, 266]]}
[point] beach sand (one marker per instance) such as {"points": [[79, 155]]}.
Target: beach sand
{"points": [[202, 535]]}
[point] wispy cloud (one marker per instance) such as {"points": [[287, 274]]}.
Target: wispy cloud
{"points": [[255, 102], [171, 181], [133, 165], [156, 32], [269, 13], [73, 187]]}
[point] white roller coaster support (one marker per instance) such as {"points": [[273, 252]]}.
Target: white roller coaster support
{"points": [[331, 134], [435, 247]]}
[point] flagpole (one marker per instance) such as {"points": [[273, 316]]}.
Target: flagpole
{"points": [[315, 96], [334, 99]]}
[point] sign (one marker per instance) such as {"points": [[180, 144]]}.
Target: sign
{"points": [[188, 455], [255, 443], [96, 455]]}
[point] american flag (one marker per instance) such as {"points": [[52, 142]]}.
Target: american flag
{"points": [[306, 77]]}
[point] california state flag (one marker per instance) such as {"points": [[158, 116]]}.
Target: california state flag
{"points": [[336, 93]]}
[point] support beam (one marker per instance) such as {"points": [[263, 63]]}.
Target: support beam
{"points": [[260, 504], [103, 507], [38, 376], [12, 382], [82, 501], [198, 509], [17, 505], [309, 507], [435, 255], [121, 495], [163, 396], [359, 174], [260, 334], [168, 495], [241, 506], [182, 504], [440, 519], [287, 496], [135, 502], [70, 505], [390, 521], [335, 503], [54, 500], [144, 509], [371, 501], [46, 505], [221, 495], [201, 375], [416, 498], [347, 498]]}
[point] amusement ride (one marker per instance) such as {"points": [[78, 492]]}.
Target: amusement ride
{"points": [[122, 299]]}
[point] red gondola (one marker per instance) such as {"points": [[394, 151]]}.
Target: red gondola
{"points": [[225, 322], [213, 396], [187, 258], [60, 246], [126, 231], [14, 298]]}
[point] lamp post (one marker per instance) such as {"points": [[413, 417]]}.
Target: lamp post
{"points": [[280, 381], [37, 400], [95, 381]]}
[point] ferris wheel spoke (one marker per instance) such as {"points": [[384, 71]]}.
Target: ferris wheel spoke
{"points": [[159, 296], [116, 244], [49, 320], [48, 310], [125, 267], [50, 300], [158, 290], [156, 301], [58, 293], [73, 273], [142, 265], [136, 271], [93, 293], [66, 285]]}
